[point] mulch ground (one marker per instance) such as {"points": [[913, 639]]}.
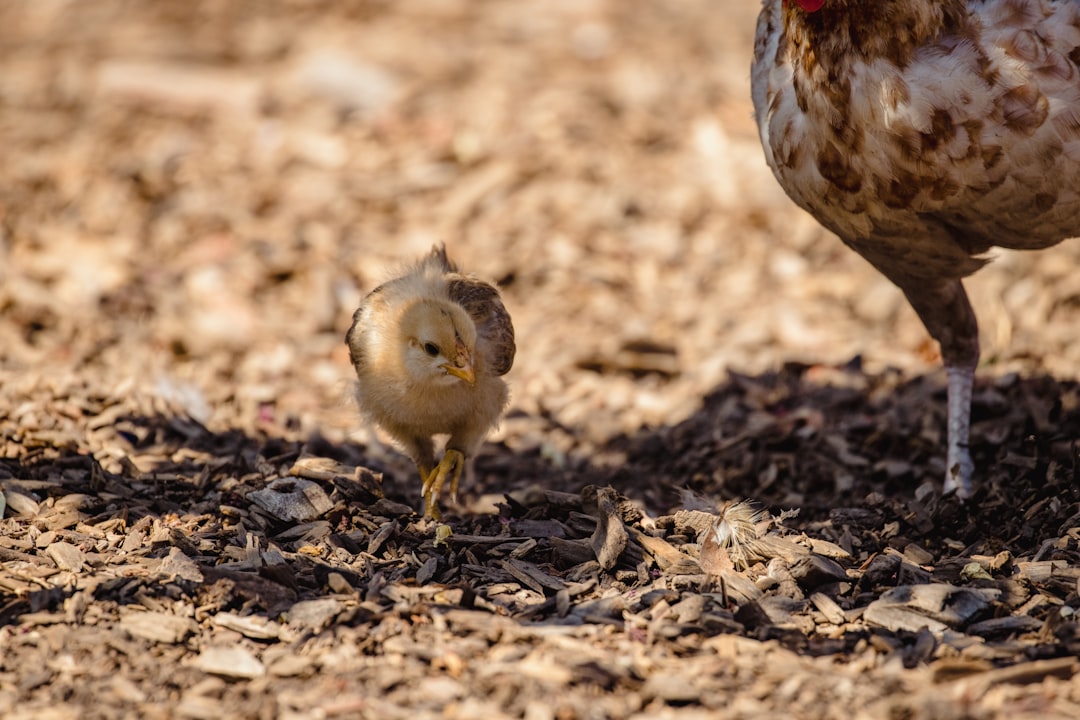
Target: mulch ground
{"points": [[198, 525]]}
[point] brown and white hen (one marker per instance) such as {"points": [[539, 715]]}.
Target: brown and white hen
{"points": [[923, 134]]}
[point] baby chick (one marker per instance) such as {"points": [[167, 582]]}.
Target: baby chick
{"points": [[430, 349]]}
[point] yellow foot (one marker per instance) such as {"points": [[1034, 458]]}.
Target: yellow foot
{"points": [[451, 465]]}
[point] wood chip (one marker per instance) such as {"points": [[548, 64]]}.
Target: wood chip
{"points": [[229, 661], [314, 614], [936, 606], [666, 557], [157, 626], [296, 500], [1005, 625], [177, 565], [251, 626], [66, 556], [828, 607], [610, 538], [814, 570]]}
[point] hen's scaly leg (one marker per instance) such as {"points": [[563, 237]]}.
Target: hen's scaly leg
{"points": [[943, 307], [450, 467], [958, 465]]}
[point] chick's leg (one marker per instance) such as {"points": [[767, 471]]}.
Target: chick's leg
{"points": [[450, 467], [422, 452], [944, 309]]}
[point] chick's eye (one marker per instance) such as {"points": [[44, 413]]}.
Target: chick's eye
{"points": [[431, 349]]}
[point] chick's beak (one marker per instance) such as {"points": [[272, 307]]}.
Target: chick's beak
{"points": [[462, 366]]}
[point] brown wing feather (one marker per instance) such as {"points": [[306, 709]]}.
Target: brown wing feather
{"points": [[484, 305], [356, 337]]}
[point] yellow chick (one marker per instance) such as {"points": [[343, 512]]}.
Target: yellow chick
{"points": [[430, 349]]}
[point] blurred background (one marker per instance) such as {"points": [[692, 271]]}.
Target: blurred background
{"points": [[196, 194]]}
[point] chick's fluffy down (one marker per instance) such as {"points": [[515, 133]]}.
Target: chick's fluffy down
{"points": [[430, 349]]}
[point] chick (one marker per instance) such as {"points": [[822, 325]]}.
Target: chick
{"points": [[430, 349]]}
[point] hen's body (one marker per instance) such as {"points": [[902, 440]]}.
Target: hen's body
{"points": [[923, 134]]}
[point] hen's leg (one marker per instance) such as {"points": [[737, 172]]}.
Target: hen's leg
{"points": [[943, 307], [958, 465]]}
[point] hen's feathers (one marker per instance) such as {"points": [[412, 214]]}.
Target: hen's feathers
{"points": [[924, 133]]}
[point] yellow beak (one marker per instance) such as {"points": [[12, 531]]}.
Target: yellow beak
{"points": [[462, 367]]}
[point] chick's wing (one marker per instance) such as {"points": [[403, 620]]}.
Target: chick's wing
{"points": [[494, 328]]}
